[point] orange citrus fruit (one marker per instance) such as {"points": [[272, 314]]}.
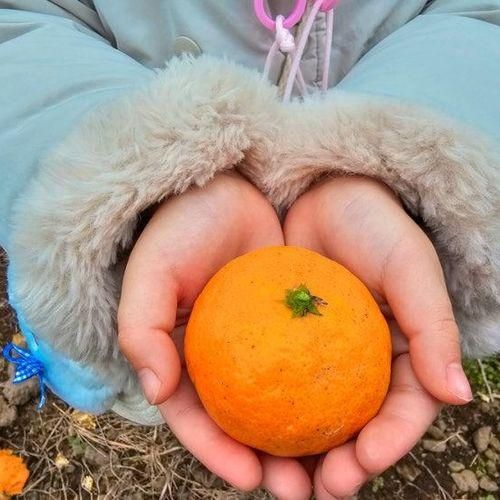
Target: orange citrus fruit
{"points": [[288, 351], [13, 474]]}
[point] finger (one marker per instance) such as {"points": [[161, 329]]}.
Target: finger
{"points": [[419, 300], [309, 463], [146, 316], [187, 240], [285, 478], [404, 417], [178, 339], [341, 473], [320, 491], [225, 457], [399, 341]]}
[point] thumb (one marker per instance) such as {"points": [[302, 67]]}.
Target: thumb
{"points": [[146, 317], [414, 286]]}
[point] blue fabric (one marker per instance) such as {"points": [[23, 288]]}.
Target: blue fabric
{"points": [[72, 382], [52, 72], [443, 62]]}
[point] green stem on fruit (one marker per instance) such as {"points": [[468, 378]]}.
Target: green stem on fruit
{"points": [[301, 301]]}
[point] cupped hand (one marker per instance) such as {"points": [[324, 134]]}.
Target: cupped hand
{"points": [[359, 223], [188, 239]]}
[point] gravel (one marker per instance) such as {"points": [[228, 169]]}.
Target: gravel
{"points": [[436, 433], [466, 481], [408, 471], [8, 413], [495, 443], [482, 438], [487, 484], [434, 446], [455, 466]]}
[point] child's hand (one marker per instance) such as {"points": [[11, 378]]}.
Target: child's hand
{"points": [[187, 240], [359, 223]]}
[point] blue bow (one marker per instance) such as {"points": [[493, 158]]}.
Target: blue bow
{"points": [[27, 366]]}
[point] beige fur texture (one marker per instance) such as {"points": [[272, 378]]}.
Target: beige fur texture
{"points": [[447, 176], [80, 213]]}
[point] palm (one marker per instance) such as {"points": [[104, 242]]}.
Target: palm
{"points": [[360, 224], [188, 239]]}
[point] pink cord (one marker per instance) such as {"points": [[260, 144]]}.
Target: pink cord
{"points": [[294, 17]]}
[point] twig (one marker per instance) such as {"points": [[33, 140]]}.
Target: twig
{"points": [[476, 456], [457, 435], [441, 490], [485, 379]]}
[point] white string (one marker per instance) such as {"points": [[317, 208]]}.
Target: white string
{"points": [[328, 49], [285, 43], [300, 49]]}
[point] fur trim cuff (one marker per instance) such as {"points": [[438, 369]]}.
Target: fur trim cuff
{"points": [[446, 175]]}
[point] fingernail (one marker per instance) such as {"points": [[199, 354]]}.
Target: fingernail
{"points": [[150, 384], [458, 383]]}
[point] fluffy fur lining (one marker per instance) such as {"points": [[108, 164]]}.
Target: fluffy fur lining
{"points": [[196, 118], [447, 176]]}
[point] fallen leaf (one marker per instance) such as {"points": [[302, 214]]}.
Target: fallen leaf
{"points": [[61, 461], [13, 473], [19, 339], [87, 483], [84, 420]]}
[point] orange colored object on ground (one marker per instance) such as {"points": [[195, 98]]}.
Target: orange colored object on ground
{"points": [[13, 473], [288, 351]]}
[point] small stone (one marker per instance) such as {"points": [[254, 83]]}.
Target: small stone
{"points": [[456, 442], [466, 481], [441, 424], [485, 405], [482, 438], [491, 468], [408, 472], [487, 484], [495, 443], [434, 446], [492, 455], [8, 414], [19, 394], [455, 466], [95, 457], [436, 433]]}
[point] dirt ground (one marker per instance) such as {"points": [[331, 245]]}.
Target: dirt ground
{"points": [[73, 455]]}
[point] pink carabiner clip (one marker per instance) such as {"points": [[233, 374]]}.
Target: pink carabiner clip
{"points": [[328, 5], [295, 16]]}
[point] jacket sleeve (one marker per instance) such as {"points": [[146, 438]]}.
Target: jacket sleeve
{"points": [[89, 138], [421, 113]]}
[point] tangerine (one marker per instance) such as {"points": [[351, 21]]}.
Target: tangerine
{"points": [[288, 351]]}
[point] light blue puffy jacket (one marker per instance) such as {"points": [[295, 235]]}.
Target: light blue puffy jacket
{"points": [[91, 134]]}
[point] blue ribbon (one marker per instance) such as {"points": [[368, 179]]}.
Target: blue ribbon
{"points": [[27, 366]]}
